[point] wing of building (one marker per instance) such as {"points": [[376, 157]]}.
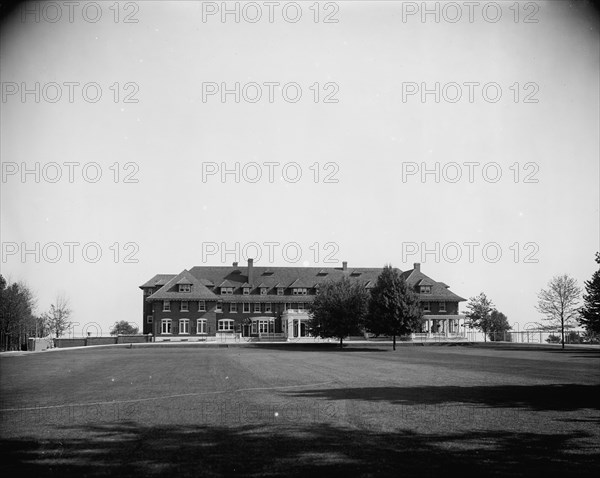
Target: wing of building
{"points": [[267, 302]]}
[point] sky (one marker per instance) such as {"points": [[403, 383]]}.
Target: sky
{"points": [[128, 150]]}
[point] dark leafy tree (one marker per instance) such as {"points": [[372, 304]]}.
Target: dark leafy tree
{"points": [[17, 321], [339, 309], [124, 328], [479, 313], [498, 325], [590, 312], [559, 303], [394, 308]]}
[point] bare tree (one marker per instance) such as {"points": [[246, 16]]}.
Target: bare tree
{"points": [[559, 303], [58, 317]]}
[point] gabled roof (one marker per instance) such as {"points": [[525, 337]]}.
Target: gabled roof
{"points": [[184, 281], [282, 277], [263, 285], [170, 291], [227, 283], [158, 280]]}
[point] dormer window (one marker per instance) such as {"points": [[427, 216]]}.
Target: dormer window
{"points": [[185, 288], [425, 289], [279, 290], [299, 291], [148, 291], [226, 290], [246, 290], [263, 291]]}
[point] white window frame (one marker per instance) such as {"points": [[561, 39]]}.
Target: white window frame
{"points": [[246, 291], [185, 288], [425, 289], [246, 307], [166, 306], [442, 306], [202, 306], [165, 324], [299, 291], [263, 291], [149, 319], [226, 325], [279, 290], [184, 326], [201, 326], [219, 306], [233, 307], [426, 306], [187, 306], [267, 307], [226, 290], [257, 307]]}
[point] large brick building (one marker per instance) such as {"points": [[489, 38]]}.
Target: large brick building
{"points": [[252, 301]]}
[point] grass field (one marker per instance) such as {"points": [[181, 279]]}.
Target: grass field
{"points": [[266, 411]]}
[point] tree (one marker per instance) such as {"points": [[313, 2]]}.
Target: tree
{"points": [[590, 312], [17, 321], [57, 318], [339, 309], [394, 308], [480, 309], [559, 302], [124, 328], [498, 324]]}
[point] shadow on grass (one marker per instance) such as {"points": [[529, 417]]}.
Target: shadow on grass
{"points": [[128, 449], [534, 397], [324, 347]]}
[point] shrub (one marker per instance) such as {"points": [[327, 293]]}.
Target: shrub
{"points": [[553, 339]]}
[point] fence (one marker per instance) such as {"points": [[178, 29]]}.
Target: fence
{"points": [[527, 337]]}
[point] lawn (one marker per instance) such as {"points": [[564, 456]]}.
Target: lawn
{"points": [[269, 410]]}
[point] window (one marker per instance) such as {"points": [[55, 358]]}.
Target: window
{"points": [[147, 291], [268, 307], [301, 306], [426, 307], [184, 326], [233, 307], [202, 306], [246, 306], [149, 319], [166, 306], [279, 290], [185, 306], [225, 325], [442, 307], [165, 326], [425, 289], [226, 290], [299, 291], [263, 291], [257, 307], [185, 288], [246, 290], [201, 326], [219, 307]]}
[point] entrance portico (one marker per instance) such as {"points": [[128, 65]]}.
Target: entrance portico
{"points": [[443, 324]]}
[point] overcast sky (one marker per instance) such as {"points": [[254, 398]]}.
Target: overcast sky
{"points": [[517, 96]]}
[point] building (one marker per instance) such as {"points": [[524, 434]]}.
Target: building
{"points": [[226, 302]]}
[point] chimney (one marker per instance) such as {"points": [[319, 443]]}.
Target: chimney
{"points": [[235, 264], [417, 266], [344, 266], [250, 271]]}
